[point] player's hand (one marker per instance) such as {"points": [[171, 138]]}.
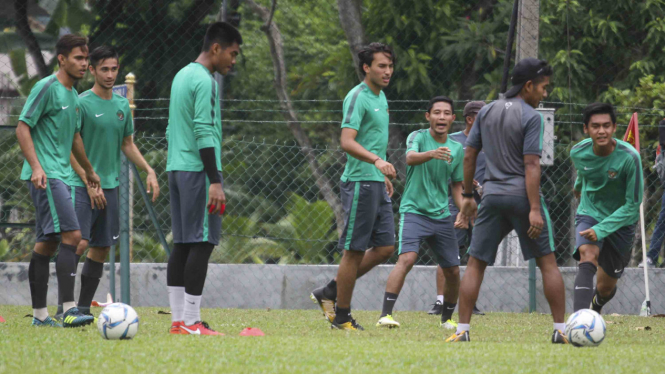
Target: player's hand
{"points": [[536, 221], [462, 221], [97, 198], [441, 153], [151, 183], [386, 168], [577, 194], [389, 187], [216, 198], [589, 234], [39, 179], [92, 178], [469, 208]]}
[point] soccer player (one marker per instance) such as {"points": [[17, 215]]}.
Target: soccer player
{"points": [[48, 132], [609, 185], [463, 235], [433, 158], [106, 129], [368, 236], [194, 166], [510, 131]]}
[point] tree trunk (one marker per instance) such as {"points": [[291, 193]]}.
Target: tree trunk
{"points": [[350, 17], [324, 183], [23, 29]]}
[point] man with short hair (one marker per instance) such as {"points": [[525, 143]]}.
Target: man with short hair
{"points": [[463, 234], [106, 130], [48, 132], [609, 185], [510, 131], [368, 236], [194, 166], [433, 158]]}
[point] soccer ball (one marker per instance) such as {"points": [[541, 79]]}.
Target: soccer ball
{"points": [[585, 328], [118, 321]]}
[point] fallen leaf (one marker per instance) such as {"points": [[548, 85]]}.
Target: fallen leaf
{"points": [[163, 312], [643, 328]]}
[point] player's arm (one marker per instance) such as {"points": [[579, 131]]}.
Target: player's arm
{"points": [[24, 137], [133, 154], [79, 153], [577, 188], [352, 147], [456, 189], [97, 198], [532, 180], [633, 197]]}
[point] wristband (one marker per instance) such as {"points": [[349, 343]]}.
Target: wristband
{"points": [[464, 194], [375, 160]]}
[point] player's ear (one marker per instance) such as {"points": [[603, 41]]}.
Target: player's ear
{"points": [[366, 68], [427, 116], [454, 117]]}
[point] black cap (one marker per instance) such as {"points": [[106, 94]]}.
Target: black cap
{"points": [[473, 107], [527, 69]]}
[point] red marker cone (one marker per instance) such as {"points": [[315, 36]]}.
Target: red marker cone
{"points": [[251, 331], [2, 320]]}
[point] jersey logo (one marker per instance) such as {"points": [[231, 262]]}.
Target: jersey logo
{"points": [[65, 107], [376, 110], [587, 168], [509, 104], [99, 115], [120, 115], [612, 173]]}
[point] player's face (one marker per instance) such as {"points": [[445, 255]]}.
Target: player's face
{"points": [[76, 63], [600, 129], [106, 72], [535, 93], [381, 70], [440, 117], [225, 58]]}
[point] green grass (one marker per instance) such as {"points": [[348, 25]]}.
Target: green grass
{"points": [[299, 341]]}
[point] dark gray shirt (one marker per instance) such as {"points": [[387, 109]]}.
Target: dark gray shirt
{"points": [[480, 161], [507, 130]]}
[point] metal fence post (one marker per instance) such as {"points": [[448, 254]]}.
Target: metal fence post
{"points": [[124, 231]]}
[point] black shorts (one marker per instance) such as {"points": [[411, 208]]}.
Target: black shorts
{"points": [[438, 233], [368, 216], [100, 226], [190, 221], [54, 210], [615, 249]]}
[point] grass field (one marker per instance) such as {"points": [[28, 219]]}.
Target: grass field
{"points": [[299, 341]]}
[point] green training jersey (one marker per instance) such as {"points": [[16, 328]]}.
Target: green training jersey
{"points": [[104, 125], [611, 186], [53, 114], [426, 191], [368, 114], [195, 121]]}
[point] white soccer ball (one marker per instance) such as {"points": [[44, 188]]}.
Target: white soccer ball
{"points": [[585, 328], [118, 321]]}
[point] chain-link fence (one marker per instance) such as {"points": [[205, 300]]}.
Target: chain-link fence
{"points": [[283, 194]]}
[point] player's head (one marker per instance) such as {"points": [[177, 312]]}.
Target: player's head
{"points": [[600, 122], [104, 66], [440, 114], [530, 79], [377, 62], [222, 44], [72, 53], [471, 110]]}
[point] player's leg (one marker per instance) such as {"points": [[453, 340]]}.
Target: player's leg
{"points": [[606, 288], [175, 269], [613, 258], [445, 245], [587, 252], [438, 304], [346, 281]]}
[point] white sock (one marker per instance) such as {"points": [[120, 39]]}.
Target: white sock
{"points": [[560, 326], [461, 327], [439, 298], [177, 303], [192, 309], [40, 313], [67, 306]]}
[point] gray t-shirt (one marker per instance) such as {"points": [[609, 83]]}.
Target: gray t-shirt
{"points": [[507, 130], [480, 161]]}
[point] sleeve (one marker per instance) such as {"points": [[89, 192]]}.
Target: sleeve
{"points": [[36, 105], [354, 110], [474, 140], [129, 122], [533, 136], [204, 112], [634, 190], [578, 183], [413, 142], [458, 169]]}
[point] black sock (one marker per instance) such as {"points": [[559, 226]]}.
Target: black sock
{"points": [[59, 311], [598, 301], [38, 273], [90, 276], [389, 300], [330, 290], [65, 270], [583, 292], [196, 268], [175, 269], [447, 310], [342, 315]]}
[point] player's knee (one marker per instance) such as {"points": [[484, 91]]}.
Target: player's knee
{"points": [[407, 260], [385, 252], [80, 249], [451, 273], [71, 237], [99, 254]]}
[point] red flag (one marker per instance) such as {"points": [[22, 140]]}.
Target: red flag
{"points": [[632, 135]]}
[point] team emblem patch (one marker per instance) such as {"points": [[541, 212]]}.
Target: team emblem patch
{"points": [[120, 115], [612, 173]]}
